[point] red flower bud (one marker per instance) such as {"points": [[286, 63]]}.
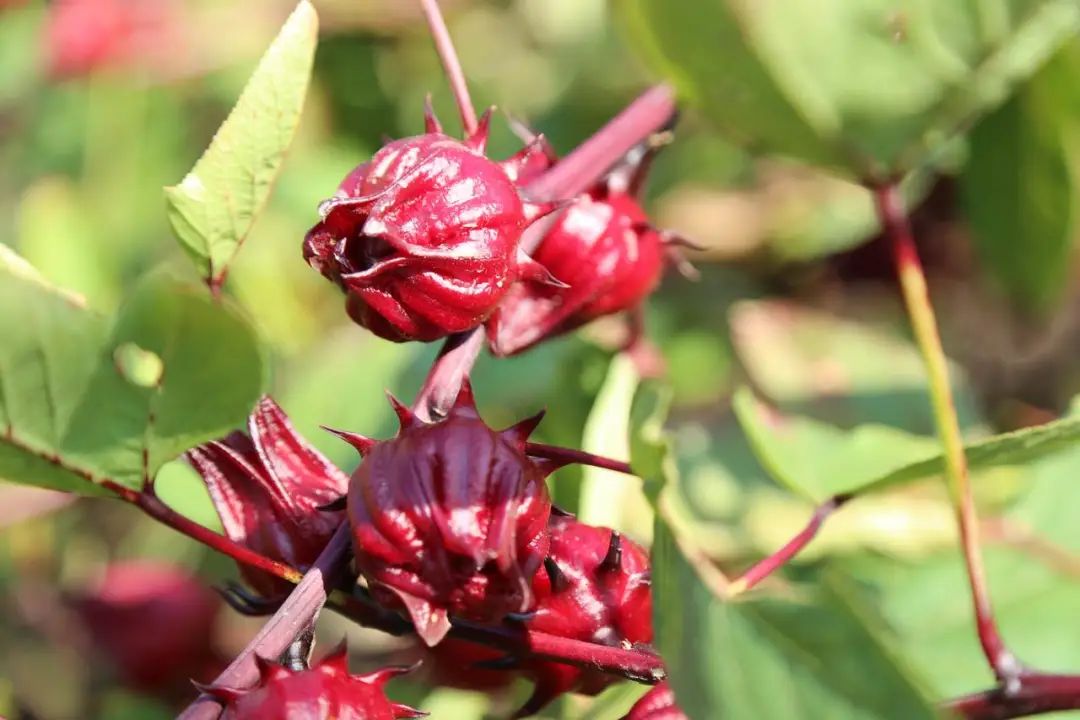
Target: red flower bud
{"points": [[657, 704], [604, 250], [268, 488], [86, 36], [449, 517], [594, 587], [154, 622], [423, 238], [324, 692]]}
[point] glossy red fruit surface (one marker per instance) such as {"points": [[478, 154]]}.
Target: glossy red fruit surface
{"points": [[595, 587], [267, 488], [607, 254], [423, 238], [449, 518], [324, 692], [657, 704]]}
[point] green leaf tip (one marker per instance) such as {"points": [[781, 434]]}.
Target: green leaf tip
{"points": [[214, 206]]}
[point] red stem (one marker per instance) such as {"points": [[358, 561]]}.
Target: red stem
{"points": [[778, 559], [637, 664], [568, 456], [912, 279], [444, 46], [296, 614], [150, 504], [1035, 694]]}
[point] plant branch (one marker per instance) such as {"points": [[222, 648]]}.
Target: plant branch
{"points": [[151, 504], [897, 228], [778, 559], [297, 614], [444, 46], [1035, 694]]}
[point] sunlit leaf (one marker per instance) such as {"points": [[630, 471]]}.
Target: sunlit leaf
{"points": [[214, 206], [71, 414], [875, 86]]}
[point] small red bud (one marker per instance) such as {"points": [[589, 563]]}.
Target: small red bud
{"points": [[606, 254], [153, 622]]}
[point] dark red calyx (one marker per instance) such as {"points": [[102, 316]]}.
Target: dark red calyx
{"points": [[657, 704], [449, 518], [423, 238], [131, 597], [269, 488], [606, 252], [594, 587], [466, 665], [324, 692]]}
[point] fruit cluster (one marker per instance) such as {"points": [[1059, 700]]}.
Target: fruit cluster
{"points": [[452, 523]]}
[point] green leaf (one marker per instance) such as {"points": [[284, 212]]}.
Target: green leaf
{"points": [[215, 205], [812, 653], [608, 498], [651, 454], [779, 75], [818, 460], [72, 415], [1018, 188], [1013, 448]]}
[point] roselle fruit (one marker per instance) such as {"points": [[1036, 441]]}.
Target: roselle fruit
{"points": [[86, 36], [324, 692], [268, 488], [448, 518], [657, 704], [594, 587], [423, 238], [605, 252], [154, 623]]}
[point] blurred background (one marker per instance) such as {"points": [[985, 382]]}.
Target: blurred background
{"points": [[103, 102]]}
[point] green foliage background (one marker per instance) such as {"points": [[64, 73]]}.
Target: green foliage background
{"points": [[787, 104]]}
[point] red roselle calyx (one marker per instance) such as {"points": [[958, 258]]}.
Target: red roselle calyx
{"points": [[448, 518], [324, 692], [154, 622], [423, 238], [657, 704], [602, 247], [595, 587], [268, 489]]}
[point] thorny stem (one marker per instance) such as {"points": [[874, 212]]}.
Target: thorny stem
{"points": [[444, 46], [897, 228], [151, 504], [769, 565]]}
